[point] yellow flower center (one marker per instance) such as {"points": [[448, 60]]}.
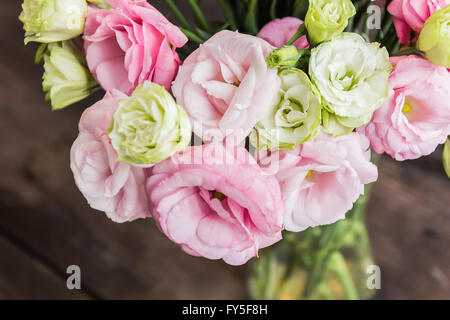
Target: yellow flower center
{"points": [[218, 195], [309, 174], [406, 108]]}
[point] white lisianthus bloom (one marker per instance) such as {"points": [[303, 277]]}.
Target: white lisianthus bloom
{"points": [[149, 127], [352, 77], [295, 116], [53, 20]]}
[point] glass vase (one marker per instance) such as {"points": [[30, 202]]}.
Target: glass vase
{"points": [[328, 262]]}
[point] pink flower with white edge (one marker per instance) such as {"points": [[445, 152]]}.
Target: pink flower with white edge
{"points": [[415, 118], [411, 15], [216, 202], [226, 86], [321, 179], [131, 43], [279, 31], [114, 187]]}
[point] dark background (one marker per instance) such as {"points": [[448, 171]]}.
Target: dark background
{"points": [[46, 225]]}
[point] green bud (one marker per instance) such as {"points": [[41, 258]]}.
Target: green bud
{"points": [[149, 127], [434, 39], [295, 116], [326, 19], [53, 20], [66, 77], [446, 157], [284, 57]]}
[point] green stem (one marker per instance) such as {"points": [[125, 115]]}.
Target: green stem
{"points": [[251, 17], [229, 14], [179, 15], [273, 10], [300, 33], [339, 267], [407, 52], [192, 36], [199, 15]]}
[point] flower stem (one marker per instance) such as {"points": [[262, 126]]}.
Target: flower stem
{"points": [[229, 14], [179, 15], [192, 36], [340, 269], [300, 33], [407, 51], [251, 17], [200, 17]]}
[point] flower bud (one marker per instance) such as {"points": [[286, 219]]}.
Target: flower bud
{"points": [[434, 39], [284, 57], [149, 127], [446, 157], [53, 20], [326, 19], [66, 78]]}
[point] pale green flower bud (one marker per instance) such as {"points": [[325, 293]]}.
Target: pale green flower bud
{"points": [[53, 20], [294, 118], [434, 39], [326, 19], [446, 157], [284, 57], [149, 127], [66, 78], [352, 77]]}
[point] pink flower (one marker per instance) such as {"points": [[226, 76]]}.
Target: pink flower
{"points": [[114, 187], [216, 202], [131, 43], [412, 14], [279, 31], [321, 179], [226, 86], [415, 118]]}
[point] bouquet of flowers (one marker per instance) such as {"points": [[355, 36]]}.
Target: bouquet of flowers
{"points": [[241, 134]]}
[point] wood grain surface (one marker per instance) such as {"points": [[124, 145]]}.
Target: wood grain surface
{"points": [[46, 225]]}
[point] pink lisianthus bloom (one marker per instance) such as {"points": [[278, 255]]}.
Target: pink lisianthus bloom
{"points": [[411, 15], [321, 179], [226, 86], [279, 31], [114, 187], [131, 43], [415, 118], [216, 202]]}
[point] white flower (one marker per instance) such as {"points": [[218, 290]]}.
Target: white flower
{"points": [[295, 116], [149, 127], [352, 77], [53, 20]]}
